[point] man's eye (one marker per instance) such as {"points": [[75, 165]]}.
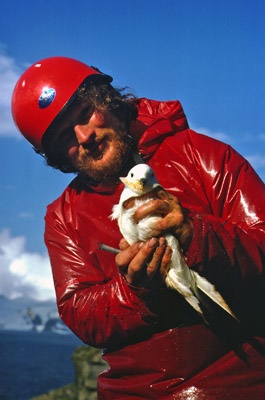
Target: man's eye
{"points": [[68, 135], [85, 115], [64, 137]]}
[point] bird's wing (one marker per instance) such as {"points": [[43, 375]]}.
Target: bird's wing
{"points": [[116, 210]]}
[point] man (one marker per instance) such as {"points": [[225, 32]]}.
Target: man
{"points": [[155, 343]]}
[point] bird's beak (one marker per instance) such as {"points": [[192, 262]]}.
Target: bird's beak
{"points": [[136, 186], [123, 181]]}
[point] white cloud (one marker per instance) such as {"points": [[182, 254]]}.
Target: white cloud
{"points": [[9, 74], [257, 161], [25, 215], [223, 137], [23, 273]]}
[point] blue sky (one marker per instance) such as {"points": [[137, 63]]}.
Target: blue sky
{"points": [[210, 55]]}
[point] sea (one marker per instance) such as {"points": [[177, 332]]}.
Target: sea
{"points": [[33, 363]]}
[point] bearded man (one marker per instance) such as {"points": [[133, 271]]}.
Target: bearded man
{"points": [[156, 345]]}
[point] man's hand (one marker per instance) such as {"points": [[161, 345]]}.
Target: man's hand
{"points": [[144, 264], [173, 216]]}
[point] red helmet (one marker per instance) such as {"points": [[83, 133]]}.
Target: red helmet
{"points": [[44, 90]]}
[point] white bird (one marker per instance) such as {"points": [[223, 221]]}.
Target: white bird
{"points": [[139, 181]]}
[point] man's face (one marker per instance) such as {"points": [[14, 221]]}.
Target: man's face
{"points": [[95, 142]]}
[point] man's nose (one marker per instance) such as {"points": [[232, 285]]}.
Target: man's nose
{"points": [[84, 133]]}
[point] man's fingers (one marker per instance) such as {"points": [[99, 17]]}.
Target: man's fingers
{"points": [[165, 262], [164, 204], [163, 195], [140, 261], [152, 207], [155, 262], [170, 221], [160, 261], [133, 259], [126, 255], [123, 244]]}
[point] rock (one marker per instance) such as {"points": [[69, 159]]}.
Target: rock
{"points": [[64, 393], [88, 364]]}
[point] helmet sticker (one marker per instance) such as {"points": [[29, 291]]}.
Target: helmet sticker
{"points": [[47, 97]]}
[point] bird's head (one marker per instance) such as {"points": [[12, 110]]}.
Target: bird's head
{"points": [[140, 179]]}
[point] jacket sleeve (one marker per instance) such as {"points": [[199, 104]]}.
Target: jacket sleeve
{"points": [[228, 245], [102, 311]]}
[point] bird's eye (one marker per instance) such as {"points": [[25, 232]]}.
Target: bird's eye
{"points": [[131, 174]]}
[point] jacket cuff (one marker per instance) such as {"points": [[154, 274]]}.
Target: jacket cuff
{"points": [[140, 292]]}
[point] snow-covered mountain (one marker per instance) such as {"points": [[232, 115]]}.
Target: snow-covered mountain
{"points": [[27, 314]]}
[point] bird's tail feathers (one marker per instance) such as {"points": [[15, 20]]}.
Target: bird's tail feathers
{"points": [[195, 288], [210, 291]]}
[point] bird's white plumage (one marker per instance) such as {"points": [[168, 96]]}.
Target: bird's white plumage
{"points": [[139, 181]]}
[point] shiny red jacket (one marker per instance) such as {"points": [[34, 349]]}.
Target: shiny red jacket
{"points": [[155, 344]]}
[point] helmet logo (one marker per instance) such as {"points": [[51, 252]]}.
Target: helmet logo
{"points": [[47, 97]]}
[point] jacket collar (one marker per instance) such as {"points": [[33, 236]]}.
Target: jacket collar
{"points": [[156, 121]]}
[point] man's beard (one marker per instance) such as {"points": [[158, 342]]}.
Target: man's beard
{"points": [[96, 173]]}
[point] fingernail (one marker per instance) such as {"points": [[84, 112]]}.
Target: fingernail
{"points": [[162, 241], [152, 242]]}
